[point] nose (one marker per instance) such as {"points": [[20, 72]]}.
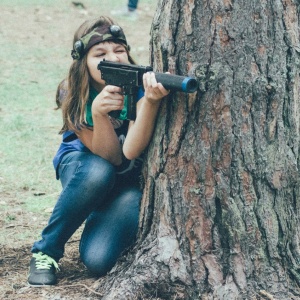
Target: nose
{"points": [[111, 56]]}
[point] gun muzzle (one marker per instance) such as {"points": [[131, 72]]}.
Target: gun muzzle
{"points": [[177, 83]]}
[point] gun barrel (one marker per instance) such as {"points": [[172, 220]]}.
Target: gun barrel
{"points": [[177, 82]]}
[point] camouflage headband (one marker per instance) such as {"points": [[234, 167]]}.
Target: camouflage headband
{"points": [[99, 34]]}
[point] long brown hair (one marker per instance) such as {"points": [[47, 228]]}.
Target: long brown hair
{"points": [[73, 92]]}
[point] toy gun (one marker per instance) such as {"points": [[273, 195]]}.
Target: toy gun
{"points": [[130, 78]]}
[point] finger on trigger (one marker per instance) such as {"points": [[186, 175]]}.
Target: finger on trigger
{"points": [[113, 89]]}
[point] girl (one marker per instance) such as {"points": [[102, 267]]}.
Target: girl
{"points": [[98, 160]]}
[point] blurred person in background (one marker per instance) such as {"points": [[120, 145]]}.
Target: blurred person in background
{"points": [[129, 11]]}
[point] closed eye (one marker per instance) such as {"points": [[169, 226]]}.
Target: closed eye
{"points": [[100, 54]]}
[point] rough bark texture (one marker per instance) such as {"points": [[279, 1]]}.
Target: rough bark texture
{"points": [[221, 207]]}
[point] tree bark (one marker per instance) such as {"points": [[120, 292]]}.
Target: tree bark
{"points": [[220, 211]]}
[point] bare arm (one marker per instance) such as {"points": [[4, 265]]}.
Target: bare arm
{"points": [[141, 130], [102, 140]]}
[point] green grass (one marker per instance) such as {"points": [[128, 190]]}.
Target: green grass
{"points": [[28, 122], [35, 39], [29, 3]]}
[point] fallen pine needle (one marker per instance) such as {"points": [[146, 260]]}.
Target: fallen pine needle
{"points": [[77, 285], [267, 295]]}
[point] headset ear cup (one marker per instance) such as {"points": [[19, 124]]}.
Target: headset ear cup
{"points": [[78, 50], [115, 30]]}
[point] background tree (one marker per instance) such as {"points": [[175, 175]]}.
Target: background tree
{"points": [[220, 212]]}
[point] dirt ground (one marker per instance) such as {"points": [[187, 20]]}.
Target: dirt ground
{"points": [[74, 280]]}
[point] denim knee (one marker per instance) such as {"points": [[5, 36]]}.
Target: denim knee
{"points": [[92, 172], [110, 230], [99, 173], [99, 263]]}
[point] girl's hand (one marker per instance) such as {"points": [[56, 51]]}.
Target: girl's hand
{"points": [[154, 91], [110, 98]]}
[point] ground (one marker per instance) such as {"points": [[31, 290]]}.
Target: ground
{"points": [[49, 24]]}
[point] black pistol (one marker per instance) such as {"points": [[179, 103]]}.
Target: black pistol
{"points": [[130, 77]]}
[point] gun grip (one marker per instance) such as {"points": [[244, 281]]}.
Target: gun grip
{"points": [[115, 113]]}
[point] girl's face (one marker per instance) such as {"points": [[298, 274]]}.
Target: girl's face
{"points": [[108, 51]]}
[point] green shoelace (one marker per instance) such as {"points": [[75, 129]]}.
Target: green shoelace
{"points": [[43, 261]]}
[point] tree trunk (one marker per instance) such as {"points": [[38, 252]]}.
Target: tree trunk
{"points": [[220, 211]]}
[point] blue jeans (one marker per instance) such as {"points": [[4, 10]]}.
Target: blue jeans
{"points": [[132, 4], [92, 192]]}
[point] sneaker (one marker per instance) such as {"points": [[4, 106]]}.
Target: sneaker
{"points": [[42, 270]]}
